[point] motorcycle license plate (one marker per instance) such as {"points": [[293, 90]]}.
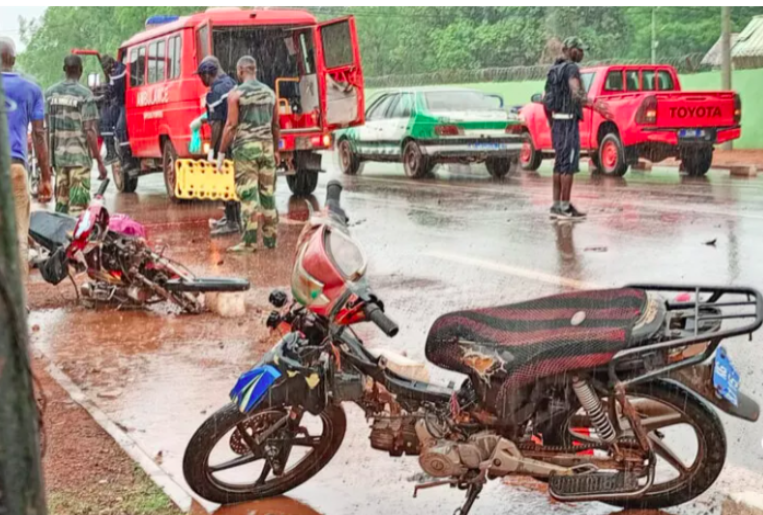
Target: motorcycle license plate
{"points": [[725, 377], [487, 146]]}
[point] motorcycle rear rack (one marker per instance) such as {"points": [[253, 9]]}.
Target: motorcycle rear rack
{"points": [[754, 310]]}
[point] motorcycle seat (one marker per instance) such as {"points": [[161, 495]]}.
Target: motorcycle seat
{"points": [[51, 230], [541, 337]]}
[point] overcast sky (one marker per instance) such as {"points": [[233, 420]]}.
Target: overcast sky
{"points": [[9, 21]]}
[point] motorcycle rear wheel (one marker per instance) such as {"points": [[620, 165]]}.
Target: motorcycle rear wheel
{"points": [[226, 425], [678, 407]]}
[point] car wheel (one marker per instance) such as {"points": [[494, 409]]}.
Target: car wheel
{"points": [[498, 167], [348, 160], [169, 156], [611, 155], [529, 158], [123, 182], [697, 161], [416, 164]]}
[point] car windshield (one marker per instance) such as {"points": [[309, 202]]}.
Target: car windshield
{"points": [[461, 101]]}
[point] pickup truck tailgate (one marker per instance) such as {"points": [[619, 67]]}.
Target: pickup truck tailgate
{"points": [[689, 109]]}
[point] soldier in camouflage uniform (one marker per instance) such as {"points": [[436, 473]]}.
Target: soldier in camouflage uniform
{"points": [[252, 129], [73, 134]]}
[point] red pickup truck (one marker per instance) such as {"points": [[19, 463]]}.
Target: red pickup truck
{"points": [[651, 118]]}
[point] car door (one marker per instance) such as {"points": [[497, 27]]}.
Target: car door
{"points": [[368, 141], [395, 125]]}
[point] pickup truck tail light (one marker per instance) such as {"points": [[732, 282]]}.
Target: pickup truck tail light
{"points": [[447, 130], [516, 128], [737, 108], [647, 113]]}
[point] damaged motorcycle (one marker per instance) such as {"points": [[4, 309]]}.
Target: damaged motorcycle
{"points": [[122, 269], [607, 395]]}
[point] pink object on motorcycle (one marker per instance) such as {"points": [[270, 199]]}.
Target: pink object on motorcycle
{"points": [[125, 225]]}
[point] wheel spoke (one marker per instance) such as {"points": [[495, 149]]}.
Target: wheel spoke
{"points": [[235, 462], [306, 441], [264, 474], [667, 454], [657, 422]]}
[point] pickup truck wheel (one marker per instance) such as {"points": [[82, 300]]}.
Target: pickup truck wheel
{"points": [[303, 183], [611, 155], [123, 182], [529, 158], [348, 160], [169, 156], [499, 167], [416, 164], [697, 161]]}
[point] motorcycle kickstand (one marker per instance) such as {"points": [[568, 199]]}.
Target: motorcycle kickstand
{"points": [[471, 495]]}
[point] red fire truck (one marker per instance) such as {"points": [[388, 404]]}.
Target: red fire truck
{"points": [[313, 67]]}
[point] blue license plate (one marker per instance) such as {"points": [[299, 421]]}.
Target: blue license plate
{"points": [[487, 146], [725, 377], [691, 133]]}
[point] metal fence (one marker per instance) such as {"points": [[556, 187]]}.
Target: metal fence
{"points": [[688, 64]]}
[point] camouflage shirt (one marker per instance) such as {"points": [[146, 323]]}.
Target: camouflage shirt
{"points": [[69, 105], [255, 113]]}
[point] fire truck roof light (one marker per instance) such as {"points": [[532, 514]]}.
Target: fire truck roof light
{"points": [[161, 19]]}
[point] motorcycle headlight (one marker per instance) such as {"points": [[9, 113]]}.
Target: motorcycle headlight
{"points": [[346, 254]]}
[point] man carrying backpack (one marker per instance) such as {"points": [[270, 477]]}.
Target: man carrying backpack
{"points": [[564, 100]]}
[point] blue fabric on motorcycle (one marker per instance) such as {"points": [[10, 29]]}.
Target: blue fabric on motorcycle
{"points": [[538, 338], [252, 386]]}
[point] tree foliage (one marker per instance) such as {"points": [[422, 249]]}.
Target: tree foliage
{"points": [[410, 40]]}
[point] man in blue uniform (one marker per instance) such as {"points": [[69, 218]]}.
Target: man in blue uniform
{"points": [[117, 73], [564, 100], [219, 84]]}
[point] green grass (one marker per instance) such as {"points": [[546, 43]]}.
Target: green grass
{"points": [[141, 497], [745, 82]]}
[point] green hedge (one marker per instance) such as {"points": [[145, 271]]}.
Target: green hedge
{"points": [[746, 82]]}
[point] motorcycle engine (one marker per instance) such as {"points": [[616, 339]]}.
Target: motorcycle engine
{"points": [[445, 458], [397, 435]]}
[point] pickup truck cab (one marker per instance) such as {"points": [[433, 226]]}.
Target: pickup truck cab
{"points": [[651, 118], [313, 67]]}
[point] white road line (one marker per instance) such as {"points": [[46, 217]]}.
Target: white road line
{"points": [[516, 271], [130, 446]]}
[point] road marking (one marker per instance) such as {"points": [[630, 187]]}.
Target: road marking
{"points": [[516, 271], [173, 490]]}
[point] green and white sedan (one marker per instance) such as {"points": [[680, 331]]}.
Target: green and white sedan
{"points": [[423, 127]]}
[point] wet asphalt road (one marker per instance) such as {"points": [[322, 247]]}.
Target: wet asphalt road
{"points": [[461, 240]]}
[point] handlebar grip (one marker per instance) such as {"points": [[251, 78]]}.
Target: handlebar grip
{"points": [[333, 193], [102, 188], [382, 321]]}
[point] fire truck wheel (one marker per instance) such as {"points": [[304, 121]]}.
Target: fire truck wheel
{"points": [[122, 181], [303, 183], [168, 168]]}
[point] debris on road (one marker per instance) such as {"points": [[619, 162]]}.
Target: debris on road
{"points": [[595, 249], [711, 243], [110, 394]]}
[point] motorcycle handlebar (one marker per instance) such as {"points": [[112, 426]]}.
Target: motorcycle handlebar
{"points": [[382, 321], [333, 197], [102, 188]]}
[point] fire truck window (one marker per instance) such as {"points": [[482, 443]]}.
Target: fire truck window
{"points": [[173, 59], [153, 61], [137, 66], [614, 81], [647, 77], [664, 81], [202, 42], [337, 44]]}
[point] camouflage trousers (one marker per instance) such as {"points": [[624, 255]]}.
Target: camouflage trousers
{"points": [[255, 168], [72, 190]]}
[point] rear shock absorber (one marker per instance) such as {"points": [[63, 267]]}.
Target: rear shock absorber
{"points": [[591, 403]]}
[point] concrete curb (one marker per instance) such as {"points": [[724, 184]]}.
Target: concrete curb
{"points": [[174, 491], [747, 503]]}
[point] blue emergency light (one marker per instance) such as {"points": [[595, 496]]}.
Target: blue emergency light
{"points": [[160, 19]]}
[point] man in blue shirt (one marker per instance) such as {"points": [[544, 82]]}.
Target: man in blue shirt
{"points": [[24, 105], [219, 84], [117, 73]]}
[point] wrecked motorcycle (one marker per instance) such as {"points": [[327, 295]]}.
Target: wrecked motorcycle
{"points": [[122, 269], [600, 394]]}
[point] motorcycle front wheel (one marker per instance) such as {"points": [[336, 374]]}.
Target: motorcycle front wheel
{"points": [[223, 463], [687, 437]]}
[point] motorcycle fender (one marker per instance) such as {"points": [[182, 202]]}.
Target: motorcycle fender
{"points": [[253, 386], [699, 380]]}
